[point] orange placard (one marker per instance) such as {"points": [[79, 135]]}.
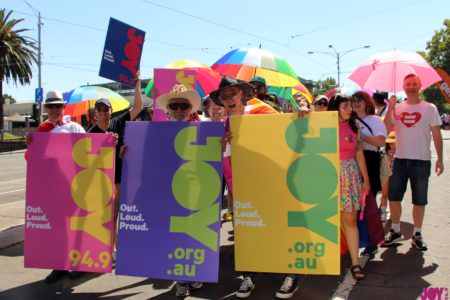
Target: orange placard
{"points": [[444, 85]]}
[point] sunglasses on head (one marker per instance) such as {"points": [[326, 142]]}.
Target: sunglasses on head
{"points": [[58, 105], [182, 106], [321, 103]]}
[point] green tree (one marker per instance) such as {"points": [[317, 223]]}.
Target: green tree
{"points": [[438, 55], [8, 99], [323, 86], [17, 54]]}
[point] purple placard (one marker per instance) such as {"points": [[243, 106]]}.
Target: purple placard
{"points": [[170, 201], [122, 52]]}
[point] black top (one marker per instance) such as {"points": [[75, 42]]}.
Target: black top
{"points": [[116, 125]]}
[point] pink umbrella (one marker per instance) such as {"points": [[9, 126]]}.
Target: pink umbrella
{"points": [[385, 71]]}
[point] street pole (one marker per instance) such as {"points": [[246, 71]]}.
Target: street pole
{"points": [[338, 56], [40, 66], [39, 56]]}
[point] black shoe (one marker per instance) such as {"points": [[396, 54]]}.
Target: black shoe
{"points": [[288, 288], [55, 276], [392, 237], [418, 242], [246, 288], [370, 251]]}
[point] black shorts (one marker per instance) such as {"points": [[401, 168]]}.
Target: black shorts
{"points": [[418, 172]]}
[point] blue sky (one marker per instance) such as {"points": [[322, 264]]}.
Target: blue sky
{"points": [[74, 32]]}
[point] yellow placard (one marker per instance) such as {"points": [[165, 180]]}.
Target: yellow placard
{"points": [[286, 193]]}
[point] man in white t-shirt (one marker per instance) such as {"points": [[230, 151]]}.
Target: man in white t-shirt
{"points": [[413, 119], [54, 107]]}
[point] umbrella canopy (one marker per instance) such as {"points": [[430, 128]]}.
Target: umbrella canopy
{"points": [[288, 92], [81, 99], [246, 63], [207, 80], [386, 71]]}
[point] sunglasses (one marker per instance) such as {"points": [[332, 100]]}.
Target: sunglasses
{"points": [[228, 96], [321, 103], [182, 106], [50, 106]]}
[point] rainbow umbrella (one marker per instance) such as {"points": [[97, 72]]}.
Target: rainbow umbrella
{"points": [[207, 80], [288, 92], [81, 99], [246, 63]]}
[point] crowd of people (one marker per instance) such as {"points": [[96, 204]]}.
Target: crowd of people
{"points": [[383, 144]]}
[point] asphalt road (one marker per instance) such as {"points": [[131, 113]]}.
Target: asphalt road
{"points": [[12, 178]]}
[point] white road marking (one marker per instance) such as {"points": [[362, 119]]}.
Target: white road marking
{"points": [[12, 203], [13, 191], [344, 289]]}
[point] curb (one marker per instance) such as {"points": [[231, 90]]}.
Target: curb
{"points": [[11, 236]]}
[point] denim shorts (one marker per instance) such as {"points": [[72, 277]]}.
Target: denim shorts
{"points": [[418, 172]]}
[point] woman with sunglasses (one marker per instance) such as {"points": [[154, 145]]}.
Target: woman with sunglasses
{"points": [[353, 167], [373, 134], [321, 103]]}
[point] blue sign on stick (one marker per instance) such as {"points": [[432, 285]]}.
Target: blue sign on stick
{"points": [[122, 52], [38, 95]]}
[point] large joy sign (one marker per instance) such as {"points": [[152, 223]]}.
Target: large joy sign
{"points": [[286, 193], [170, 201], [122, 52], [69, 199]]}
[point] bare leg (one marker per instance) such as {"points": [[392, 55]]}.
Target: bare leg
{"points": [[384, 193], [348, 220], [396, 211], [418, 214]]}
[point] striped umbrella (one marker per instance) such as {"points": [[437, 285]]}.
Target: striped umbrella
{"points": [[81, 99], [246, 63], [207, 80]]}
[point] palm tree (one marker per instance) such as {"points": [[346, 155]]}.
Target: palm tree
{"points": [[17, 55]]}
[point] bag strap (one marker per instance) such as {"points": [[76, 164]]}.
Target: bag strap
{"points": [[367, 125]]}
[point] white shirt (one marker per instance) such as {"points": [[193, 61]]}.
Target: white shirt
{"points": [[413, 123], [68, 127], [377, 126]]}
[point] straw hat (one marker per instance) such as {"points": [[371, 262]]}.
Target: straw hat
{"points": [[179, 91]]}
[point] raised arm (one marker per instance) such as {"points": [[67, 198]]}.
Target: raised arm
{"points": [[138, 103]]}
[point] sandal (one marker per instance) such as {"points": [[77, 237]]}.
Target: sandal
{"points": [[357, 272]]}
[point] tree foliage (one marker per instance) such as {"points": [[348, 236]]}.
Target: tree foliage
{"points": [[323, 86], [17, 54], [438, 55]]}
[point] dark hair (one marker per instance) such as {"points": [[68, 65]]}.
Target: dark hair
{"points": [[379, 97], [334, 104], [370, 105]]}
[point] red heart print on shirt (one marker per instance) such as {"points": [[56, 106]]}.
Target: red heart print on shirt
{"points": [[410, 119]]}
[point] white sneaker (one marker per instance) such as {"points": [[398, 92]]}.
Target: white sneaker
{"points": [[288, 288], [246, 288]]}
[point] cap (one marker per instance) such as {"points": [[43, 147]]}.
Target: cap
{"points": [[103, 101]]}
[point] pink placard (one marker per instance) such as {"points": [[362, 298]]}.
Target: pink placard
{"points": [[165, 79], [69, 202]]}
